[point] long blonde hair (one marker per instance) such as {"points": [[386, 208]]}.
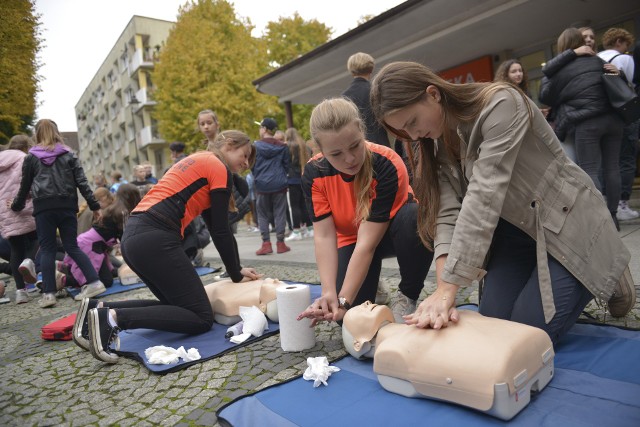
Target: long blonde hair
{"points": [[400, 84], [47, 134], [331, 115], [296, 143], [233, 139]]}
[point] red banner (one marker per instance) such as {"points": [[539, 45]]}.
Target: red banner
{"points": [[479, 70]]}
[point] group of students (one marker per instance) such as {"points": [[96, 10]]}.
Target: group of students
{"points": [[591, 132], [494, 199]]}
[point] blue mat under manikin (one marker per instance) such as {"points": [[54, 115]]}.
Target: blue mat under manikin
{"points": [[118, 287], [596, 383], [211, 344]]}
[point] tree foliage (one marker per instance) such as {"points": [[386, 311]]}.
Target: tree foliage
{"points": [[208, 62], [19, 43], [287, 39]]}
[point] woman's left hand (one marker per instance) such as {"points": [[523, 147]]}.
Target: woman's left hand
{"points": [[250, 273], [437, 310]]}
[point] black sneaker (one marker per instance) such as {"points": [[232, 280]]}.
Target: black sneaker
{"points": [[80, 332], [101, 335]]}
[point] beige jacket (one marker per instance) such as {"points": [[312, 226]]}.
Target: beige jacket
{"points": [[514, 168]]}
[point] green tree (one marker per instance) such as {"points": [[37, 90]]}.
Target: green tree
{"points": [[208, 62], [288, 39], [19, 43]]}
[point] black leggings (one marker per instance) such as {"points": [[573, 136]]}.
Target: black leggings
{"points": [[22, 246], [157, 257], [298, 207], [401, 241]]}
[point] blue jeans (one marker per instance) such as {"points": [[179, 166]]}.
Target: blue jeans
{"points": [[628, 158], [511, 289], [66, 222]]}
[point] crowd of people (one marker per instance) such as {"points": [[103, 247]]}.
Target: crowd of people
{"points": [[478, 183]]}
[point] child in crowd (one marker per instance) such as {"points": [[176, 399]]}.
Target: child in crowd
{"points": [[19, 228], [511, 71], [98, 241], [152, 247], [52, 173], [209, 126]]}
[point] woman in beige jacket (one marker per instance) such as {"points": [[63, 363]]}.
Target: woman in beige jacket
{"points": [[501, 202]]}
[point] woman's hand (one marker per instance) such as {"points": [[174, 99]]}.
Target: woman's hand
{"points": [[437, 310], [610, 68], [584, 50], [323, 308], [250, 273]]}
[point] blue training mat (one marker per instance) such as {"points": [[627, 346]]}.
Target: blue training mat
{"points": [[211, 344], [596, 383], [118, 287]]}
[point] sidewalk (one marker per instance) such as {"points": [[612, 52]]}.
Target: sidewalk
{"points": [[56, 383]]}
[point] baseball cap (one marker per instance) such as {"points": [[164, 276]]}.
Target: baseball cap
{"points": [[268, 123]]}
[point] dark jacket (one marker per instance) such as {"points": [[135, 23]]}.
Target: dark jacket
{"points": [[52, 177], [573, 88], [358, 92], [271, 166]]}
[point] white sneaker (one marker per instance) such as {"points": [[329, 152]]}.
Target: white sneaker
{"points": [[401, 306], [308, 232], [28, 270], [90, 290], [47, 300], [22, 296], [625, 213], [295, 235]]}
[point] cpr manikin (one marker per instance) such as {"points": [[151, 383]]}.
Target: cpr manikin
{"points": [[226, 297], [484, 363]]}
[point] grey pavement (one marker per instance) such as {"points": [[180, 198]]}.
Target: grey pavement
{"points": [[56, 383]]}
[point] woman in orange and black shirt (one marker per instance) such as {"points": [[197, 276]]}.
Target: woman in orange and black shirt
{"points": [[360, 201], [152, 247]]}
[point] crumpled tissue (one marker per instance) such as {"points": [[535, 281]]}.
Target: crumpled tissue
{"points": [[319, 370], [255, 323], [163, 355]]}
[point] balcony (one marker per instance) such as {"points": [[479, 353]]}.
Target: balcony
{"points": [[139, 60], [141, 99], [148, 136]]}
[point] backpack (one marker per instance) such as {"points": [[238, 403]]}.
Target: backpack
{"points": [[60, 330]]}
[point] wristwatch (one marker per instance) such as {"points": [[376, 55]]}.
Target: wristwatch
{"points": [[343, 303]]}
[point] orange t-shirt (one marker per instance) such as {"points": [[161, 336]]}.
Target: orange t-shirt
{"points": [[184, 191], [329, 192]]}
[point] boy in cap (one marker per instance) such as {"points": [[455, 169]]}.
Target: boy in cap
{"points": [[270, 181]]}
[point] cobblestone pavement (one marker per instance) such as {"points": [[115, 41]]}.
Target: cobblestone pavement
{"points": [[56, 383]]}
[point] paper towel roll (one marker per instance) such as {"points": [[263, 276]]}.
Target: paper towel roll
{"points": [[292, 300]]}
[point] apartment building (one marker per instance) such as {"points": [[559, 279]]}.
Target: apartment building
{"points": [[116, 129]]}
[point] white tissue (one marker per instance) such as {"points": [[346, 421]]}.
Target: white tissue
{"points": [[255, 322], [295, 335], [163, 355], [240, 338], [319, 370]]}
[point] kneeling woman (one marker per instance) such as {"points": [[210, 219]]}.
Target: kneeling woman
{"points": [[360, 202], [152, 247], [505, 204]]}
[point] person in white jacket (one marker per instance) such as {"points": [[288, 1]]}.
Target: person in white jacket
{"points": [[618, 41], [19, 228]]}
